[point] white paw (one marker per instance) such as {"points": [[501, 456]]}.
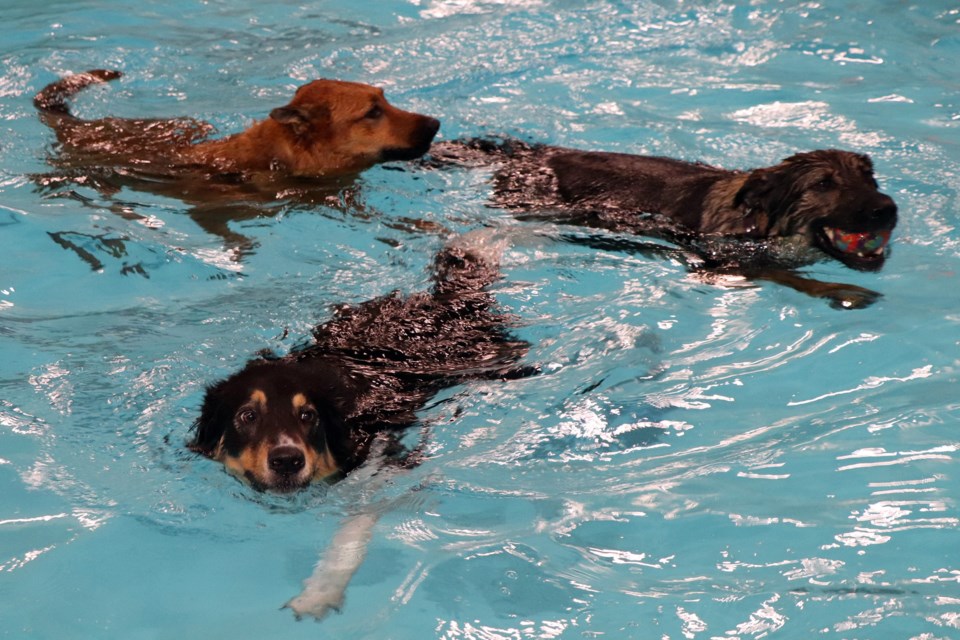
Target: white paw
{"points": [[316, 603]]}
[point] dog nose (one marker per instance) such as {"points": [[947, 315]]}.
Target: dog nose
{"points": [[884, 211], [431, 126], [286, 459]]}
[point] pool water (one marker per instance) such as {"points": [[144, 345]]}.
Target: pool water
{"points": [[698, 459]]}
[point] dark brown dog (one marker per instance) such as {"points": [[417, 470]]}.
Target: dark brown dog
{"points": [[812, 204], [330, 128], [280, 424]]}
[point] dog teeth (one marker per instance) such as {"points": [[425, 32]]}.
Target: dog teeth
{"points": [[871, 254]]}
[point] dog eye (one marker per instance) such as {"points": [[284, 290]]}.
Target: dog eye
{"points": [[308, 416], [825, 184], [374, 112], [247, 416]]}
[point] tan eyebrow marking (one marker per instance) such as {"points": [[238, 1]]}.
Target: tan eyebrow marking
{"points": [[299, 402], [258, 397]]}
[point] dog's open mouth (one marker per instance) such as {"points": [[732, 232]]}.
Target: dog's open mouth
{"points": [[857, 248]]}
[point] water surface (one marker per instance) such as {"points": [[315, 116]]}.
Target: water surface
{"points": [[698, 460]]}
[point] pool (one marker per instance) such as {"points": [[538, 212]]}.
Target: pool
{"points": [[697, 460]]}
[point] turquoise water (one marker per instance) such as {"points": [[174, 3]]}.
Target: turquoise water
{"points": [[699, 459]]}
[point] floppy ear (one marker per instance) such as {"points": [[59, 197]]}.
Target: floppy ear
{"points": [[333, 429], [300, 120], [214, 418], [753, 194], [767, 191]]}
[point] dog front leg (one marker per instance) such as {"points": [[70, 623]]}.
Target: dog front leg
{"points": [[324, 590], [840, 295]]}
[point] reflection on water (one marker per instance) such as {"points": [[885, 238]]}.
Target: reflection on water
{"points": [[699, 458]]}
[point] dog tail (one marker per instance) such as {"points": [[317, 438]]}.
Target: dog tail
{"points": [[53, 98], [469, 262]]}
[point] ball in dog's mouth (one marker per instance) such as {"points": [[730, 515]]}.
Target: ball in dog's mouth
{"points": [[859, 246]]}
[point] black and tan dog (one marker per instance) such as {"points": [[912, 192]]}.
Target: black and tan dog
{"points": [[810, 205], [320, 412], [306, 151], [281, 424]]}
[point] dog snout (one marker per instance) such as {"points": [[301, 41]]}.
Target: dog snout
{"points": [[423, 132], [429, 127], [884, 211], [286, 460]]}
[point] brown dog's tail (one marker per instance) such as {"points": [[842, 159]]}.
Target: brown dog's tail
{"points": [[53, 98]]}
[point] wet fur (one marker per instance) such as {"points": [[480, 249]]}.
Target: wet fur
{"points": [[367, 372], [307, 152], [329, 128], [790, 203]]}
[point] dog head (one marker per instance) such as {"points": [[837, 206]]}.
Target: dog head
{"points": [[829, 196], [345, 127], [276, 424]]}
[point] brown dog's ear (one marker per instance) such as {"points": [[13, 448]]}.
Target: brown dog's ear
{"points": [[299, 119], [296, 119]]}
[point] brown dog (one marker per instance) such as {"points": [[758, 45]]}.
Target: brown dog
{"points": [[812, 204], [330, 128], [307, 152]]}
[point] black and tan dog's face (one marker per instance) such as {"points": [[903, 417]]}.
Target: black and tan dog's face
{"points": [[271, 425], [350, 126], [833, 199]]}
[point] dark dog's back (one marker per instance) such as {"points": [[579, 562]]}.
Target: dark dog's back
{"points": [[619, 181], [282, 423], [416, 345], [612, 190]]}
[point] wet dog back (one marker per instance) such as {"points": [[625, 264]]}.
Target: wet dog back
{"points": [[280, 424]]}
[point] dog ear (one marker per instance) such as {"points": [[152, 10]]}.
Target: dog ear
{"points": [[334, 430], [295, 118], [300, 120], [214, 418], [766, 191], [753, 193]]}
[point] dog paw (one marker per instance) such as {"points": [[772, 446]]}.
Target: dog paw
{"points": [[316, 603], [848, 296]]}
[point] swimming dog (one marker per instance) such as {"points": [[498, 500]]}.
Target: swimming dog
{"points": [[808, 206], [330, 128], [280, 424], [317, 414], [306, 152]]}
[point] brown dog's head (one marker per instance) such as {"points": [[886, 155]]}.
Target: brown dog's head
{"points": [[345, 127], [829, 196], [275, 424]]}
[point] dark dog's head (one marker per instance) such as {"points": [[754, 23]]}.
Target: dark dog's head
{"points": [[277, 425], [346, 127], [831, 197]]}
